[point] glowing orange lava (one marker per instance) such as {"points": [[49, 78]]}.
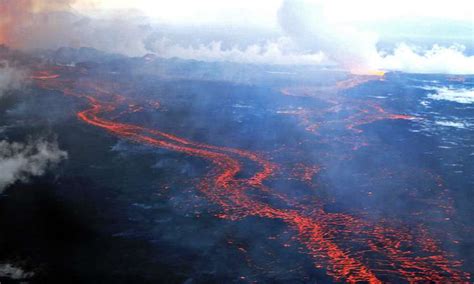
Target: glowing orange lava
{"points": [[351, 113], [359, 72], [349, 248], [44, 75]]}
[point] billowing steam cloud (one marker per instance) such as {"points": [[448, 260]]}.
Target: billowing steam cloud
{"points": [[310, 37], [21, 161], [307, 37], [443, 60], [10, 77], [307, 24], [306, 34], [122, 33], [271, 52], [36, 24], [17, 15]]}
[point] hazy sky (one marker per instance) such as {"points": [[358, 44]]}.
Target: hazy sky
{"points": [[263, 12], [431, 36]]}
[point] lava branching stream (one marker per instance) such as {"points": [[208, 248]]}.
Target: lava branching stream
{"points": [[347, 247], [341, 112]]}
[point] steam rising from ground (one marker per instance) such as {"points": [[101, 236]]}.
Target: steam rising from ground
{"points": [[443, 60], [13, 272], [462, 95], [271, 52], [10, 77], [20, 161], [308, 26]]}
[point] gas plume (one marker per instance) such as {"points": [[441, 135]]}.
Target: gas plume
{"points": [[10, 77], [17, 15], [305, 35], [20, 161], [34, 24], [307, 25]]}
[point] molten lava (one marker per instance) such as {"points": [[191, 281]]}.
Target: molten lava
{"points": [[351, 113], [376, 73], [348, 247]]}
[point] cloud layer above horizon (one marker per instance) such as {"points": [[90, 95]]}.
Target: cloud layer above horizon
{"points": [[270, 32]]}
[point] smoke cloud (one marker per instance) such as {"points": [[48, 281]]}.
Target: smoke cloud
{"points": [[20, 161], [10, 77], [34, 24], [17, 14]]}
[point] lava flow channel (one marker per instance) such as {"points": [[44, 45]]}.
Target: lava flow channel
{"points": [[224, 189], [318, 233]]}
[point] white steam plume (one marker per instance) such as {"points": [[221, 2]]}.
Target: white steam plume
{"points": [[308, 26], [443, 60], [306, 33], [10, 77], [18, 161], [272, 52]]}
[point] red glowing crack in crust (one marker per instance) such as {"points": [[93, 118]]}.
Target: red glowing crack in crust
{"points": [[347, 247], [362, 114], [351, 113]]}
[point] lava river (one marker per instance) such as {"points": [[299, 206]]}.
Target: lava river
{"points": [[346, 247]]}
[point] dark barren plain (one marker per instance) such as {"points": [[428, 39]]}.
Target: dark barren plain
{"points": [[191, 172]]}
